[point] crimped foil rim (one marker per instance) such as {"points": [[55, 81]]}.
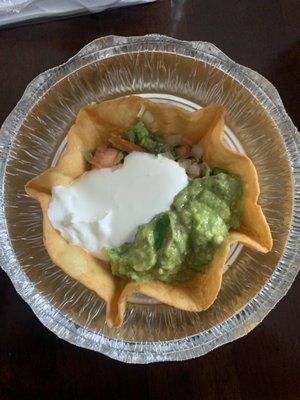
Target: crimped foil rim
{"points": [[234, 327]]}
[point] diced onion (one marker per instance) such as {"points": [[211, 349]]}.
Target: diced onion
{"points": [[197, 151], [141, 112], [147, 117], [173, 140], [194, 170], [168, 154], [185, 164]]}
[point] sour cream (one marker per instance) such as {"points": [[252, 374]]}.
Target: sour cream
{"points": [[104, 207]]}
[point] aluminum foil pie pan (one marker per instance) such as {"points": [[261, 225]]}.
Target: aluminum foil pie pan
{"points": [[189, 75]]}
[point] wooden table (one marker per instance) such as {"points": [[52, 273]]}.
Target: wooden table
{"points": [[34, 363]]}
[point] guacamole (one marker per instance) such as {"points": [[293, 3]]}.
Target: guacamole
{"points": [[176, 244]]}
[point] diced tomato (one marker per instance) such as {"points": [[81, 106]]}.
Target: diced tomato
{"points": [[106, 158], [183, 151]]}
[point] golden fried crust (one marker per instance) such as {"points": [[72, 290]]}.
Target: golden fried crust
{"points": [[94, 125]]}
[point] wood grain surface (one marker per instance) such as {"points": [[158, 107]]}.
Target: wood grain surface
{"points": [[34, 363]]}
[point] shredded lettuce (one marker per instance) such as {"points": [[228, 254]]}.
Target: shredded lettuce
{"points": [[139, 135]]}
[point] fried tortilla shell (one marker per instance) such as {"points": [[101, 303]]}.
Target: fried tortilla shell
{"points": [[93, 127]]}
